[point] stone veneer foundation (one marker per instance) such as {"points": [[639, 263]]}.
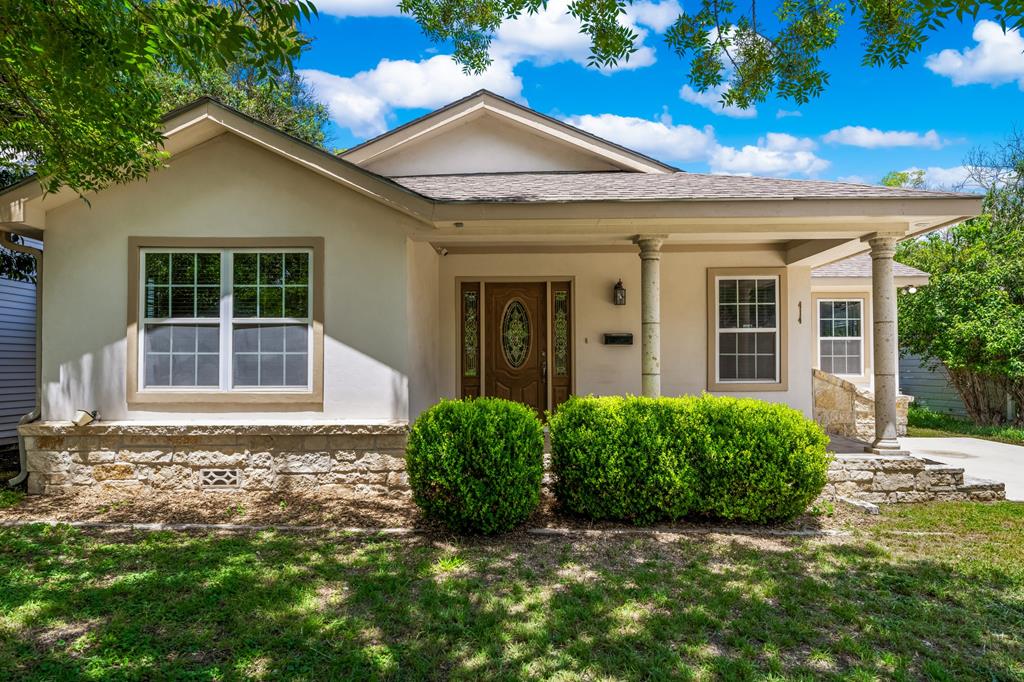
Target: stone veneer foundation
{"points": [[355, 459], [362, 459]]}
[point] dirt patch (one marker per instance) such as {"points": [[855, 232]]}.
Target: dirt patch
{"points": [[312, 508]]}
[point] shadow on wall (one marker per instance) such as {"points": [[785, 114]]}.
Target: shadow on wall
{"points": [[356, 386], [364, 608]]}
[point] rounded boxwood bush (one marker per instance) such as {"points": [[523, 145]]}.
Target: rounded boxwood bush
{"points": [[757, 462], [623, 458], [476, 465], [645, 459]]}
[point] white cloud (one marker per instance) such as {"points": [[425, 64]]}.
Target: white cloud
{"points": [[364, 102], [783, 113], [359, 8], [873, 138], [951, 178], [997, 58], [655, 15], [855, 179], [774, 154], [661, 139], [551, 36], [711, 100]]}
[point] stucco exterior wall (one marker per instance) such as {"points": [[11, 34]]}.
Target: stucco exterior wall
{"points": [[484, 145], [227, 188], [422, 305], [607, 370]]}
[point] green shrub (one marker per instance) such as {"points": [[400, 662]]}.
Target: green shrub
{"points": [[476, 465], [644, 459], [623, 458], [757, 462]]}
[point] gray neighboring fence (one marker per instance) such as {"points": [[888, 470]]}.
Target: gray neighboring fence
{"points": [[17, 355], [929, 388]]}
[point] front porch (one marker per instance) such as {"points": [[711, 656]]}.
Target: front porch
{"points": [[678, 330]]}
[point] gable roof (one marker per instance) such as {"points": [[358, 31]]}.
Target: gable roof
{"points": [[860, 266], [487, 103], [618, 186]]}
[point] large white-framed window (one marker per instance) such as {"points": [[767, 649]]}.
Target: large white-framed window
{"points": [[747, 339], [841, 336], [225, 320]]}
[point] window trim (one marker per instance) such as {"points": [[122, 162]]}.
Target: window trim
{"points": [[782, 336], [262, 398], [865, 330]]}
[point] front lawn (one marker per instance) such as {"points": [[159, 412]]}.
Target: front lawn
{"points": [[881, 604], [924, 423]]}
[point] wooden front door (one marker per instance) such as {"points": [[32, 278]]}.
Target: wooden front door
{"points": [[516, 339]]}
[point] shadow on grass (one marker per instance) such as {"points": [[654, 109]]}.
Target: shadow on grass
{"points": [[164, 605]]}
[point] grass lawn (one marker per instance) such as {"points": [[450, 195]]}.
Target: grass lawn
{"points": [[879, 605], [924, 423]]}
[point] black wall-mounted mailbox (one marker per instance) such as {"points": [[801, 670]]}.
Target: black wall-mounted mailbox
{"points": [[618, 339]]}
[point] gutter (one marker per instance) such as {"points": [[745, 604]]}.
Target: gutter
{"points": [[7, 242]]}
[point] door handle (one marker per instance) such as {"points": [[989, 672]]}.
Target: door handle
{"points": [[544, 366]]}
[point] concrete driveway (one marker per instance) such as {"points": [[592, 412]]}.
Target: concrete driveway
{"points": [[979, 459]]}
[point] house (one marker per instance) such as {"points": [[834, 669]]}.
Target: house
{"points": [[17, 351], [263, 314], [843, 382]]}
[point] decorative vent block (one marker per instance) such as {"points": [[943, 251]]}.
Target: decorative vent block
{"points": [[220, 479]]}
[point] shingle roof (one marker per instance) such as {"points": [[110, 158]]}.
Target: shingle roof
{"points": [[625, 186], [860, 266]]}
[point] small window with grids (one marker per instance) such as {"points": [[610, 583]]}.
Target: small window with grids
{"points": [[841, 336], [747, 333]]}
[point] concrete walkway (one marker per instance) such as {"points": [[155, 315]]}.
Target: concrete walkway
{"points": [[979, 459]]}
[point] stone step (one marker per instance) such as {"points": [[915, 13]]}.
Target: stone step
{"points": [[983, 489], [944, 476]]}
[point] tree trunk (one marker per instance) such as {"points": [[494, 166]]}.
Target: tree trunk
{"points": [[983, 397]]}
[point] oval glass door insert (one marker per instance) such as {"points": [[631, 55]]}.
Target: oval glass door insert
{"points": [[515, 334]]}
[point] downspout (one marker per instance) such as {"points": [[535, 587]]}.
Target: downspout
{"points": [[8, 242]]}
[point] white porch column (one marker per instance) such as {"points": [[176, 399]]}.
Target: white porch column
{"points": [[650, 313], [883, 304]]}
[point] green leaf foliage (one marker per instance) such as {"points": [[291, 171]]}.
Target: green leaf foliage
{"points": [[79, 104], [759, 49], [283, 101], [476, 465], [970, 316], [643, 460]]}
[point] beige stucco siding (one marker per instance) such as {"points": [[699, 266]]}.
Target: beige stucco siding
{"points": [[422, 306], [485, 145], [606, 370], [227, 188]]}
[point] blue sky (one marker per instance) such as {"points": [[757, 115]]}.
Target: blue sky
{"points": [[376, 70]]}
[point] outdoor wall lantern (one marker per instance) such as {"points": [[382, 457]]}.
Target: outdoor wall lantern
{"points": [[619, 294]]}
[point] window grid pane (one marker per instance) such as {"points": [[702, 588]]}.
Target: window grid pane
{"points": [[841, 335], [747, 304], [181, 285], [177, 355], [271, 285], [270, 355]]}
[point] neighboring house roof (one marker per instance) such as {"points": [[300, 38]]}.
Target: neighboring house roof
{"points": [[860, 266], [619, 186], [485, 102]]}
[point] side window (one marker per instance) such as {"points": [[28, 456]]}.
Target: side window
{"points": [[841, 336]]}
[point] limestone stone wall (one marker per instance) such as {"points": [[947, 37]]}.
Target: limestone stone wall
{"points": [[884, 479], [845, 409], [363, 459]]}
